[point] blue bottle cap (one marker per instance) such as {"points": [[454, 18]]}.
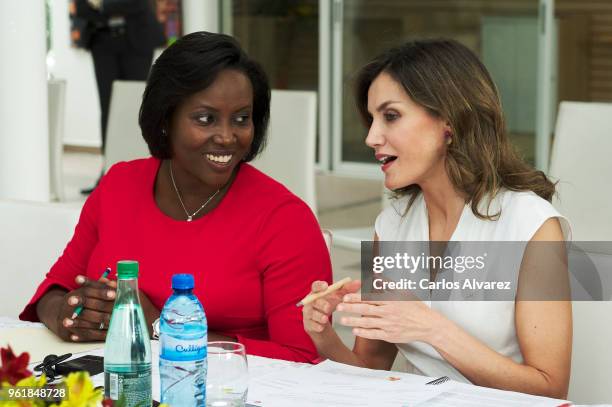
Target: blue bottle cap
{"points": [[182, 281]]}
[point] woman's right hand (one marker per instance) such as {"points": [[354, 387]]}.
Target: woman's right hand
{"points": [[317, 314], [97, 299]]}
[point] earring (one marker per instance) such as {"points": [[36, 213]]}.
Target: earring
{"points": [[449, 137], [164, 134]]}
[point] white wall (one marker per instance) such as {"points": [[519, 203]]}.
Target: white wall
{"points": [[82, 121], [24, 139]]}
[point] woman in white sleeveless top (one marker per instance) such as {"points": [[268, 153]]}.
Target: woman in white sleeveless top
{"points": [[436, 125]]}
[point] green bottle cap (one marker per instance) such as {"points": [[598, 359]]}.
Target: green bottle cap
{"points": [[127, 269]]}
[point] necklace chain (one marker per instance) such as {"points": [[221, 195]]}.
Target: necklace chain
{"points": [[178, 194]]}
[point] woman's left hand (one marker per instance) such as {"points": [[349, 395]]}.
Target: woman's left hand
{"points": [[391, 321]]}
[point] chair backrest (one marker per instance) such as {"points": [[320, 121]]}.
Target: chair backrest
{"points": [[289, 156], [33, 236], [57, 99], [327, 236], [581, 163], [351, 238], [124, 140], [591, 353]]}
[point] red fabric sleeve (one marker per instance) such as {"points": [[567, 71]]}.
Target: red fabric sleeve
{"points": [[75, 257], [292, 254]]}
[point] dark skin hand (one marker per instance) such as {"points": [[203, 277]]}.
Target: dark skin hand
{"points": [[55, 310], [56, 307]]}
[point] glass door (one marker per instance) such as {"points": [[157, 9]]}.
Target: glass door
{"points": [[284, 36], [503, 33]]}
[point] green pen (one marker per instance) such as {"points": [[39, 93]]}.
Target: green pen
{"points": [[79, 309]]}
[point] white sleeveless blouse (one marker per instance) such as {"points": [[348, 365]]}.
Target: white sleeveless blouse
{"points": [[492, 322]]}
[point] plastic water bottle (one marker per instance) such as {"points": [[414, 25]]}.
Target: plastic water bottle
{"points": [[183, 336], [127, 351]]}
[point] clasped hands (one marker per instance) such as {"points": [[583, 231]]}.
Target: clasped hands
{"points": [[97, 299], [390, 321]]}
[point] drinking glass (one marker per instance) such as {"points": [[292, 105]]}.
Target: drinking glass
{"points": [[227, 380]]}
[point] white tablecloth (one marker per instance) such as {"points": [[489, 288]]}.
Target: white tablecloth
{"points": [[275, 382]]}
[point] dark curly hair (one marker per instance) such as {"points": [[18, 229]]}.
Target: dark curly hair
{"points": [[188, 66]]}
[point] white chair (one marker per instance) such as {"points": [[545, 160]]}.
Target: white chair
{"points": [[351, 238], [289, 156], [33, 236], [327, 236], [582, 164], [124, 140], [57, 99], [591, 353]]}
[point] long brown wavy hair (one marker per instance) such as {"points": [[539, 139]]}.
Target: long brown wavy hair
{"points": [[451, 83]]}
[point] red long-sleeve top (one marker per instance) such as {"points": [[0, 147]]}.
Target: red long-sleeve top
{"points": [[253, 257]]}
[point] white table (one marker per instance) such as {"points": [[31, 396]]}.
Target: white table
{"points": [[277, 382]]}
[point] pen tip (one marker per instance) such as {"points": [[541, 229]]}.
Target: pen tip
{"points": [[74, 315]]}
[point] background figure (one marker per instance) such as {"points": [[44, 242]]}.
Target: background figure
{"points": [[121, 35]]}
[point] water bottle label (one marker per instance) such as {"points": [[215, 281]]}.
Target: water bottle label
{"points": [[182, 349], [132, 387]]}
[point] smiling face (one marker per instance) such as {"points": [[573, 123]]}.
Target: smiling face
{"points": [[409, 142], [212, 130]]}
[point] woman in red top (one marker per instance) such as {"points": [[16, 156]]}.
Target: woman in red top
{"points": [[196, 206]]}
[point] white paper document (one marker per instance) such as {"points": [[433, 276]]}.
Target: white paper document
{"points": [[260, 366], [467, 395], [335, 385]]}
